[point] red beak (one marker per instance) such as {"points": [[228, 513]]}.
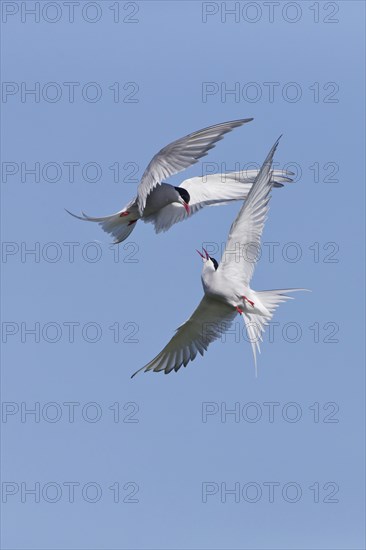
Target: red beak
{"points": [[202, 256], [186, 206]]}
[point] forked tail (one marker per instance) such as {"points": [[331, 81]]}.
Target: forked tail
{"points": [[255, 324], [120, 225]]}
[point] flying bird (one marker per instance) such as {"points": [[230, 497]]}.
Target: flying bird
{"points": [[226, 286], [162, 204]]}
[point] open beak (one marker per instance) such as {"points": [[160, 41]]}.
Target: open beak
{"points": [[202, 256]]}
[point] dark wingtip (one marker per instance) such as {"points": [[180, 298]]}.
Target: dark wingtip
{"points": [[244, 120], [240, 121], [134, 374], [274, 148], [73, 215]]}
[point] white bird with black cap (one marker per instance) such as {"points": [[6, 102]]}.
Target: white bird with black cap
{"points": [[226, 286], [163, 204]]}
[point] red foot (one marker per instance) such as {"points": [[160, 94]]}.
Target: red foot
{"points": [[239, 310], [123, 214], [131, 222], [250, 301]]}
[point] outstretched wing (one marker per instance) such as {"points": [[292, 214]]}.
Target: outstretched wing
{"points": [[241, 251], [180, 154], [211, 319], [212, 190]]}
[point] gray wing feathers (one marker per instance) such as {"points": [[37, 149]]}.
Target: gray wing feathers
{"points": [[248, 226], [208, 322], [180, 154]]}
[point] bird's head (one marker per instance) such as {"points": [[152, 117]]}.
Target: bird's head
{"points": [[209, 264], [183, 198]]}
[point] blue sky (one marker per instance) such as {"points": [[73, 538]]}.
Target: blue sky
{"points": [[168, 442]]}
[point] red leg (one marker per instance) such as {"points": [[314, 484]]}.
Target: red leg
{"points": [[122, 214], [239, 310], [250, 301]]}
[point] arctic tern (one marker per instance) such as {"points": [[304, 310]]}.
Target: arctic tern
{"points": [[226, 286], [163, 204]]}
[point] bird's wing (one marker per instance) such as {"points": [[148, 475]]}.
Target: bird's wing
{"points": [[212, 190], [241, 250], [180, 154], [210, 319]]}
